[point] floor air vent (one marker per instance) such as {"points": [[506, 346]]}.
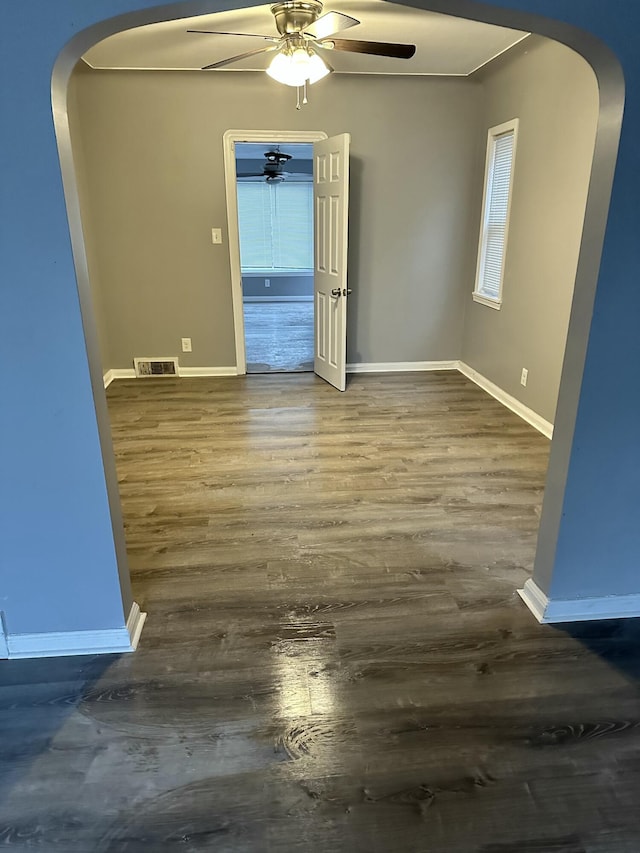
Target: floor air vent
{"points": [[146, 367]]}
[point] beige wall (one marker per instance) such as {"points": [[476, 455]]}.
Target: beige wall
{"points": [[91, 243], [149, 157], [152, 169], [554, 94]]}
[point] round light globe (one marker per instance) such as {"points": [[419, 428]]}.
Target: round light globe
{"points": [[294, 69]]}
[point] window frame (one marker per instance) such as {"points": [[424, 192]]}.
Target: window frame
{"points": [[498, 130]]}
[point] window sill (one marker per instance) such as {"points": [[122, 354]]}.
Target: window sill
{"points": [[485, 300], [282, 273]]}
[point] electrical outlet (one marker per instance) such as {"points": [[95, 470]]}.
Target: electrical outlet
{"points": [[186, 345], [524, 376], [216, 235], [267, 282]]}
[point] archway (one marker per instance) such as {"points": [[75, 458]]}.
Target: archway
{"points": [[611, 93]]}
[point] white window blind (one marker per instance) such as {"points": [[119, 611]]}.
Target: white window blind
{"points": [[495, 215], [276, 225]]}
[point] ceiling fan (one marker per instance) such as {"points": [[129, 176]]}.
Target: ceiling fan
{"points": [[274, 169], [303, 31]]}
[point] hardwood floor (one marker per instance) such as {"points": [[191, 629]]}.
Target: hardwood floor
{"points": [[335, 657], [279, 336]]}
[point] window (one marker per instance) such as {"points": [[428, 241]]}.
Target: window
{"points": [[496, 205], [276, 225]]}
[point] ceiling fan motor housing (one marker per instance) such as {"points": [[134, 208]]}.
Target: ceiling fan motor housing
{"points": [[294, 17], [302, 28], [277, 158]]}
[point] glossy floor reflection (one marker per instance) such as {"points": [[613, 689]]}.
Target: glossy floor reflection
{"points": [[335, 657], [278, 336]]}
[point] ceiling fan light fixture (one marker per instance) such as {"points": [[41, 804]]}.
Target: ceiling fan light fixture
{"points": [[297, 67], [317, 68], [282, 71]]}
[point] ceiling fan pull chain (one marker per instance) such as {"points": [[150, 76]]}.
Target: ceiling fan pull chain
{"points": [[297, 97], [304, 96]]}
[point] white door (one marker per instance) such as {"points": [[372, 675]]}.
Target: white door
{"points": [[331, 208]]}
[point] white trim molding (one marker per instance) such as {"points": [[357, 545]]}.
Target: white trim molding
{"points": [[118, 373], [135, 624], [4, 649], [62, 643], [534, 598], [485, 300], [518, 408], [183, 372], [400, 366], [186, 372], [548, 610]]}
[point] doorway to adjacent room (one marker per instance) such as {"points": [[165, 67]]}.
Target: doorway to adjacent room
{"points": [[274, 186]]}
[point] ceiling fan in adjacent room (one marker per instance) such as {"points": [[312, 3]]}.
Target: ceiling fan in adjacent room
{"points": [[304, 36], [274, 169]]}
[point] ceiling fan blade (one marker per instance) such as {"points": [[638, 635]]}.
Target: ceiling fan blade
{"points": [[237, 58], [249, 174], [332, 22], [374, 48], [246, 35]]}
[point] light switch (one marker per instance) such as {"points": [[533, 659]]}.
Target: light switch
{"points": [[216, 235]]}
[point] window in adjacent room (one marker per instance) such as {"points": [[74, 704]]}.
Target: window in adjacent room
{"points": [[276, 225], [496, 205]]}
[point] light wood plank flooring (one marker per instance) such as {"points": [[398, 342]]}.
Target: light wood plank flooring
{"points": [[278, 336], [335, 657]]}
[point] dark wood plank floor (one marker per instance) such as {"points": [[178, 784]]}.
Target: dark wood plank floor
{"points": [[278, 336], [335, 657]]}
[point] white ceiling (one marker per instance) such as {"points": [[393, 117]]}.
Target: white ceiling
{"points": [[445, 45]]}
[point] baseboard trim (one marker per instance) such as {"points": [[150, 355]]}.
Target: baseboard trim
{"points": [[118, 373], [184, 372], [518, 408], [550, 611], [4, 649], [534, 598], [63, 643], [187, 372], [135, 624], [400, 366], [253, 299]]}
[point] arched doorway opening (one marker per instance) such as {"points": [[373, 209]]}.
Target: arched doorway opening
{"points": [[611, 99]]}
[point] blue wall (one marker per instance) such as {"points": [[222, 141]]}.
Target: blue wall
{"points": [[58, 569], [254, 284], [598, 548]]}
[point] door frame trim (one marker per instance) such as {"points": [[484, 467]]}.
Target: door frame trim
{"points": [[229, 139]]}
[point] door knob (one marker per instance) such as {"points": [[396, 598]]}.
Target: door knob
{"points": [[336, 291], [347, 291]]}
